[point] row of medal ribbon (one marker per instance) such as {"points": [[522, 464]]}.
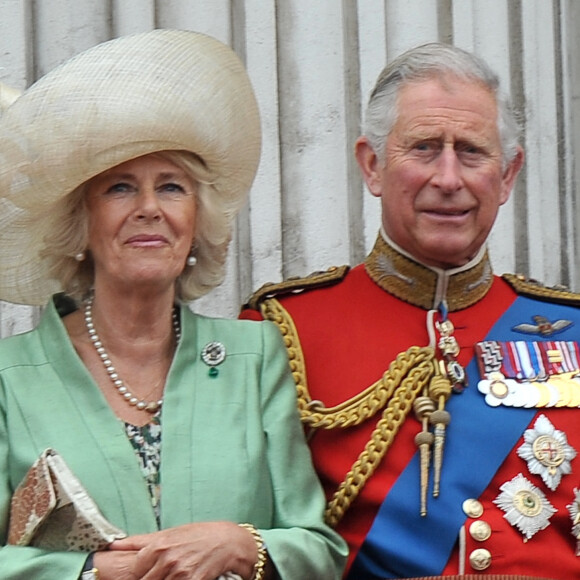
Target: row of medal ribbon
{"points": [[529, 373]]}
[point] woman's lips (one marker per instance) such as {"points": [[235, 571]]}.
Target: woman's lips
{"points": [[147, 240]]}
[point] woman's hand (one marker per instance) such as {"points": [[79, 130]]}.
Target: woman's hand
{"points": [[201, 551], [117, 565]]}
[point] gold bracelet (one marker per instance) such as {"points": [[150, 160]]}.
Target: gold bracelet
{"points": [[92, 574], [259, 566]]}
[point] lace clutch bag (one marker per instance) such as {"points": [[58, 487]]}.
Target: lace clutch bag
{"points": [[51, 509]]}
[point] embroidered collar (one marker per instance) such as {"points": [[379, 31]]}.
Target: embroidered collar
{"points": [[399, 274]]}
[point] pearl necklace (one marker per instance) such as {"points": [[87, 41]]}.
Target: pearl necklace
{"points": [[142, 405]]}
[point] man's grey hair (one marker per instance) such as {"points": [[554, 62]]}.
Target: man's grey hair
{"points": [[426, 62]]}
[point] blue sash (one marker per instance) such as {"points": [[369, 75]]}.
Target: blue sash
{"points": [[401, 543]]}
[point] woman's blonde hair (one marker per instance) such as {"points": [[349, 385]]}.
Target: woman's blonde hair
{"points": [[68, 236]]}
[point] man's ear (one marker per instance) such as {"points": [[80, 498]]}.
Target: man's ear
{"points": [[370, 165], [510, 174]]}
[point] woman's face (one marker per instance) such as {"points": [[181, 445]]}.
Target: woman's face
{"points": [[141, 217]]}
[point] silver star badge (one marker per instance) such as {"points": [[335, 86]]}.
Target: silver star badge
{"points": [[525, 506], [574, 509], [547, 452]]}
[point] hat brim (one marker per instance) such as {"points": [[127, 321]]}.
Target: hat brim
{"points": [[128, 97]]}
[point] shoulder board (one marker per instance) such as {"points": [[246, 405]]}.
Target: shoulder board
{"points": [[534, 289], [296, 284]]}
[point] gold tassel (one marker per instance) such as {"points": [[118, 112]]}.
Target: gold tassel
{"points": [[423, 407], [439, 391]]}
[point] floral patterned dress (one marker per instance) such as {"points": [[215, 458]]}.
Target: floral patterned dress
{"points": [[146, 442]]}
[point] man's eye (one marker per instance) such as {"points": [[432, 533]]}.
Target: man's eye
{"points": [[469, 149], [426, 146], [470, 153]]}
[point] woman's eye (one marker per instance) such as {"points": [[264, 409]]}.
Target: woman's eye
{"points": [[173, 189], [120, 187]]}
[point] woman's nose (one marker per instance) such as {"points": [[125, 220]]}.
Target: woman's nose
{"points": [[147, 203]]}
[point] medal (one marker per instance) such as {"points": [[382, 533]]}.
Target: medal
{"points": [[574, 509], [525, 506], [547, 452], [529, 374]]}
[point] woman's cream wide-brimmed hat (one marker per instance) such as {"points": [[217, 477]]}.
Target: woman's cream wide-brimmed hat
{"points": [[160, 90]]}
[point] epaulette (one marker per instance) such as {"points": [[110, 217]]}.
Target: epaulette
{"points": [[297, 284], [534, 289]]}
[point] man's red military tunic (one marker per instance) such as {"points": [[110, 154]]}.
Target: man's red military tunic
{"points": [[344, 334]]}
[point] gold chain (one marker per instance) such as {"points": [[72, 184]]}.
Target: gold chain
{"points": [[397, 389]]}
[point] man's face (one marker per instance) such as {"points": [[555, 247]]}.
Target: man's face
{"points": [[442, 181]]}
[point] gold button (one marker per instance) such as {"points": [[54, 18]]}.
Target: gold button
{"points": [[480, 530], [480, 559], [472, 508]]}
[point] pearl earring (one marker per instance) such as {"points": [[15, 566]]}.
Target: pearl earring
{"points": [[191, 260], [80, 256]]}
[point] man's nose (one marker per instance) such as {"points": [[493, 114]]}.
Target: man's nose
{"points": [[448, 171]]}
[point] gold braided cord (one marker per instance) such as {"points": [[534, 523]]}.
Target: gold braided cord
{"points": [[419, 363], [406, 377], [353, 411], [271, 309]]}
